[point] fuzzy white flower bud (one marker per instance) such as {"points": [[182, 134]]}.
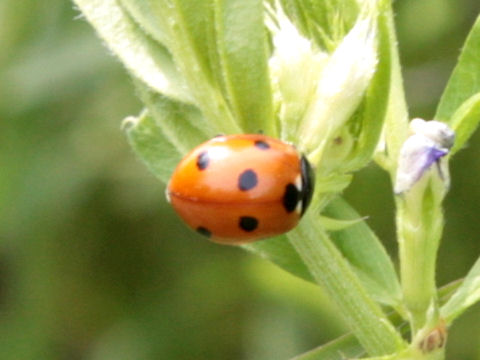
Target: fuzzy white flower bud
{"points": [[294, 68], [341, 85]]}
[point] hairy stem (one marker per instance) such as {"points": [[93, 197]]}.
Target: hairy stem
{"points": [[365, 318]]}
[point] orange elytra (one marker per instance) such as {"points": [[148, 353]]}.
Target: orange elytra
{"points": [[240, 188]]}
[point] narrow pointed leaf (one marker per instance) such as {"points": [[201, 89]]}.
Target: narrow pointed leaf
{"points": [[142, 12], [242, 45], [279, 251], [396, 120], [182, 124], [331, 224], [298, 12], [162, 135], [466, 295], [151, 146], [376, 100], [465, 79], [447, 290], [192, 24], [465, 121], [326, 22], [334, 17], [146, 59], [191, 40]]}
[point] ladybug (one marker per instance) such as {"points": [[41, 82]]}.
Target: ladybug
{"points": [[237, 189]]}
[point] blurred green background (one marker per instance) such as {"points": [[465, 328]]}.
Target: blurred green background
{"points": [[93, 262]]}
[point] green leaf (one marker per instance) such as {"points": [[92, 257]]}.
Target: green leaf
{"points": [[192, 42], [162, 135], [466, 295], [192, 24], [342, 348], [242, 45], [142, 12], [325, 22], [376, 100], [447, 290], [334, 17], [366, 254], [465, 79], [298, 12], [357, 243], [279, 251], [151, 146], [331, 224], [465, 121], [144, 58], [182, 124], [396, 121]]}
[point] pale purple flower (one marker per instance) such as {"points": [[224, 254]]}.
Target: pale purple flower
{"points": [[429, 143]]}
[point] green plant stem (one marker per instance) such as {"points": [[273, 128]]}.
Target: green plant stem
{"points": [[419, 229], [365, 318]]}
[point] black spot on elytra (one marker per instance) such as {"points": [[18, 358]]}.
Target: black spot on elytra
{"points": [[204, 231], [290, 197], [248, 223], [202, 160], [263, 145], [308, 182], [247, 180]]}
